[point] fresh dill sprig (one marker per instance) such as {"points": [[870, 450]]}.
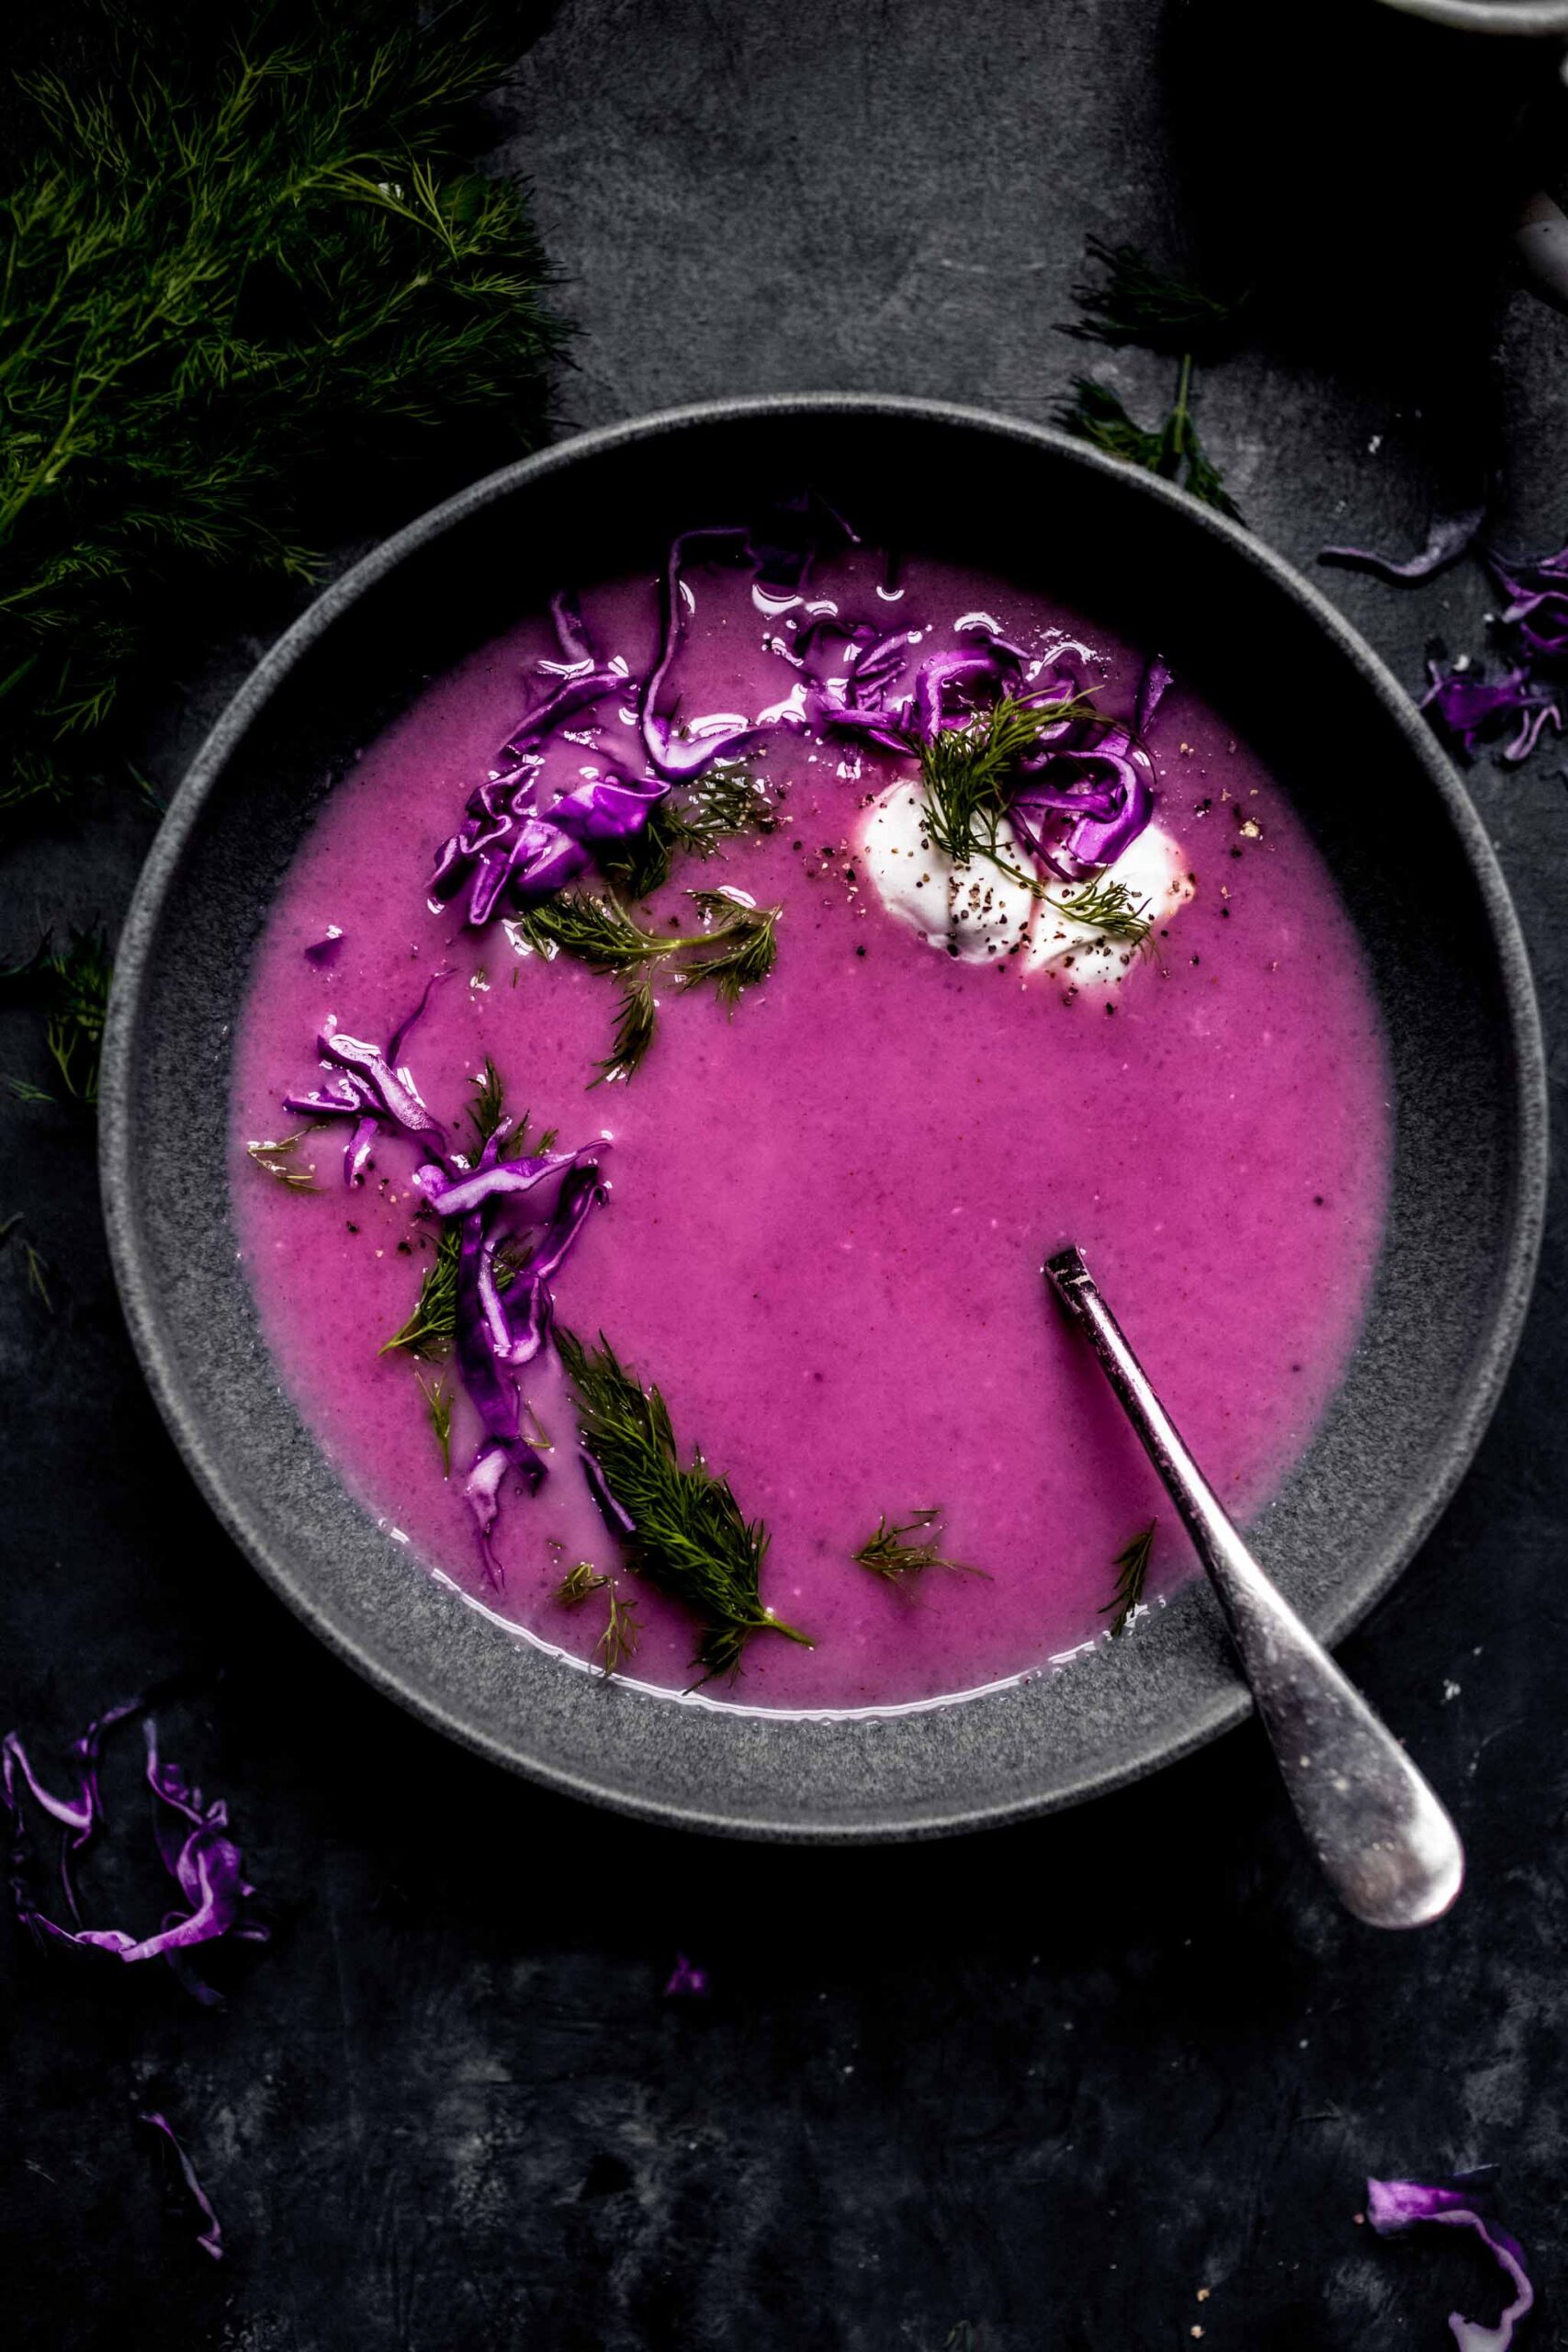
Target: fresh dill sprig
{"points": [[432, 1327], [1110, 909], [279, 1159], [33, 1259], [688, 1535], [619, 1638], [438, 1399], [636, 1022], [430, 1330], [723, 805], [899, 1551], [736, 950], [240, 269], [1173, 449], [579, 1581], [594, 931], [70, 986], [487, 1108], [1134, 302], [965, 772], [1131, 1567]]}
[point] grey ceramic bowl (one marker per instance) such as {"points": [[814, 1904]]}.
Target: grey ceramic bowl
{"points": [[1415, 868]]}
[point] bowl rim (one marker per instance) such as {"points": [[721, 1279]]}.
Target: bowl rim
{"points": [[1494, 1354]]}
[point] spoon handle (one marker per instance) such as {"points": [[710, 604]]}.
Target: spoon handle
{"points": [[1385, 1842]]}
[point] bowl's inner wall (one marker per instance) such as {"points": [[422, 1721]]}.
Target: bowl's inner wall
{"points": [[1035, 515]]}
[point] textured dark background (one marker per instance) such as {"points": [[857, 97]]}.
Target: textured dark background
{"points": [[1035, 2088]]}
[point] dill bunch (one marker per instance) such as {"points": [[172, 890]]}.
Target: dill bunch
{"points": [[689, 1537], [230, 283], [70, 986]]}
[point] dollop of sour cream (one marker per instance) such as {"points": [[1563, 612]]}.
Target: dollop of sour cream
{"points": [[976, 914]]}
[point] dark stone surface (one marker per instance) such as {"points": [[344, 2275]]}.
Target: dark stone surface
{"points": [[1043, 2084]]}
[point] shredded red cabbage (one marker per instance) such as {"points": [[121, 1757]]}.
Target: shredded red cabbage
{"points": [[534, 1208], [1393, 2206], [210, 2237], [1450, 537], [1469, 708], [199, 1854], [853, 677], [1536, 609]]}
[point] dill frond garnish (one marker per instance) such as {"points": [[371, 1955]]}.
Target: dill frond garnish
{"points": [[279, 1160], [432, 1327], [32, 1259], [577, 1584], [1131, 1567], [724, 805], [736, 950], [240, 268], [1173, 449], [487, 1108], [965, 772], [1134, 302], [900, 1550], [71, 987], [619, 1638], [688, 1535], [438, 1399], [636, 1022], [1112, 910]]}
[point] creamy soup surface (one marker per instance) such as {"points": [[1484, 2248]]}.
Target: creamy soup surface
{"points": [[824, 1208]]}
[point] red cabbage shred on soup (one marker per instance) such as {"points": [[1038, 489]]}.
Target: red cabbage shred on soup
{"points": [[676, 1047]]}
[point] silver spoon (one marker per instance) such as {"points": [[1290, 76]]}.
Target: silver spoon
{"points": [[1385, 1842]]}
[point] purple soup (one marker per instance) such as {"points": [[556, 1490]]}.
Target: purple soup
{"points": [[1053, 958]]}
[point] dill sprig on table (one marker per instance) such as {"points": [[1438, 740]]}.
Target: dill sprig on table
{"points": [[70, 986], [1135, 303], [1131, 1567], [965, 772], [689, 1537], [724, 805], [905, 1549], [32, 1257], [237, 268], [1111, 909], [735, 951], [1172, 449]]}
